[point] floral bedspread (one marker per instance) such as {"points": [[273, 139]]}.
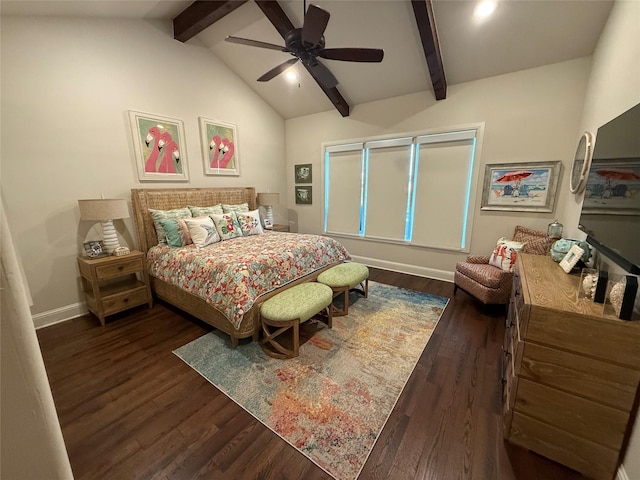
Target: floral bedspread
{"points": [[232, 274]]}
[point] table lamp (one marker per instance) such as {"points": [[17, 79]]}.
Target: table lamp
{"points": [[105, 210], [267, 200]]}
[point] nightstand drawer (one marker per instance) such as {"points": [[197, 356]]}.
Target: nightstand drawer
{"points": [[118, 269], [124, 300]]}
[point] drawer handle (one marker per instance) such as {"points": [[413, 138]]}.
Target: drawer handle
{"points": [[125, 300], [121, 267]]}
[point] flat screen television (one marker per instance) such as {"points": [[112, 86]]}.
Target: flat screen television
{"points": [[611, 209]]}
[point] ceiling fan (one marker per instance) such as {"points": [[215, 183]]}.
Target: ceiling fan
{"points": [[306, 44]]}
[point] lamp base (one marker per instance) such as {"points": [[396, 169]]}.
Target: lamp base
{"points": [[110, 236], [268, 217]]}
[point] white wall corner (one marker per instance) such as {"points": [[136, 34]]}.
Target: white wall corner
{"points": [[622, 474]]}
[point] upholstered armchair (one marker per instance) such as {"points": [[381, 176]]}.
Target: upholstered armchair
{"points": [[491, 284]]}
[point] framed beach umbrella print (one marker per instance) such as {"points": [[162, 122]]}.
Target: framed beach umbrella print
{"points": [[219, 147], [521, 186], [159, 146]]}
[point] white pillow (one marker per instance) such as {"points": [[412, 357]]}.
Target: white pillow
{"points": [[505, 254], [202, 231], [227, 225], [250, 222]]}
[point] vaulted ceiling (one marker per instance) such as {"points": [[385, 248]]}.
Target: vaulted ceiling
{"points": [[521, 34]]}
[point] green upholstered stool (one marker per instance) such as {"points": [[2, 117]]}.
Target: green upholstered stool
{"points": [[343, 278], [287, 310]]}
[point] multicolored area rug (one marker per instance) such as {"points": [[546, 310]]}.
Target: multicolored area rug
{"points": [[332, 401]]}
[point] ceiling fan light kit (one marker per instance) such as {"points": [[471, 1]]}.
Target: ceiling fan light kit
{"points": [[306, 44]]}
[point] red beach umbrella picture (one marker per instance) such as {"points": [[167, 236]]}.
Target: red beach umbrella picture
{"points": [[514, 176]]}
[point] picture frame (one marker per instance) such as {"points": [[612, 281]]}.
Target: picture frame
{"points": [[521, 187], [303, 173], [159, 147], [613, 187], [219, 147], [94, 249], [304, 195]]}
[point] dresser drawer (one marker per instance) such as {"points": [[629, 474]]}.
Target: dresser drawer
{"points": [[113, 270], [581, 417], [124, 300], [589, 458], [605, 383]]}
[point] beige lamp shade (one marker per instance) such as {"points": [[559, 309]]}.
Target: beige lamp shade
{"points": [[266, 199], [105, 210]]}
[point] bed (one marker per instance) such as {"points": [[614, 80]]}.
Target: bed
{"points": [[169, 281]]}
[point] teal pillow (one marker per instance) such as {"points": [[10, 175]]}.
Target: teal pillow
{"points": [[158, 215], [173, 234]]}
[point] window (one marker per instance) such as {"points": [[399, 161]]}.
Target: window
{"points": [[414, 190]]}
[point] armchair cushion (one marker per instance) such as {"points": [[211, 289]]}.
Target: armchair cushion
{"points": [[535, 241], [484, 274]]}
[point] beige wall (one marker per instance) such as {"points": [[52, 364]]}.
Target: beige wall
{"points": [[66, 87], [532, 115], [614, 87]]}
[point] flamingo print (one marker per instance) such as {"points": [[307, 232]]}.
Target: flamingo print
{"points": [[171, 157], [151, 165], [222, 148]]}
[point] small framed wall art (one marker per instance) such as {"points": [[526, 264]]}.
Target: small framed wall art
{"points": [[303, 173], [219, 147], [159, 146], [304, 195]]}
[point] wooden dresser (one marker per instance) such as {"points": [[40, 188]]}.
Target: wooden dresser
{"points": [[570, 374]]}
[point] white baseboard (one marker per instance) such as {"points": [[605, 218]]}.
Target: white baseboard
{"points": [[622, 474], [443, 275], [58, 315]]}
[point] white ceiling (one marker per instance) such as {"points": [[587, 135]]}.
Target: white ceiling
{"points": [[521, 34]]}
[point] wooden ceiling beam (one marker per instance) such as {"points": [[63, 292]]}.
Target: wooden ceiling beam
{"points": [[200, 15], [425, 20], [274, 13]]}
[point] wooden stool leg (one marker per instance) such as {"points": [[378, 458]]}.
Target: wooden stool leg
{"points": [[269, 337], [337, 291]]}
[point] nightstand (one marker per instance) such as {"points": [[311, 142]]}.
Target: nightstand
{"points": [[113, 284], [280, 228]]}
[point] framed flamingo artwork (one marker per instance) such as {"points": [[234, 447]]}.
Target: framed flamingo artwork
{"points": [[526, 187], [219, 147], [160, 147]]}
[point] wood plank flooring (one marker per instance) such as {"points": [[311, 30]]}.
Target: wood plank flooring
{"points": [[130, 409]]}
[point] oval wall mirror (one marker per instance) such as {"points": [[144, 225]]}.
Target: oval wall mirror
{"points": [[581, 163]]}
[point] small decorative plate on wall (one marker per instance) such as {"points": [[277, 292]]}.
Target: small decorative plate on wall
{"points": [[581, 163]]}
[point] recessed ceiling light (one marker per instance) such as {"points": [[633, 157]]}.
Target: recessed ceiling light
{"points": [[484, 9], [291, 75]]}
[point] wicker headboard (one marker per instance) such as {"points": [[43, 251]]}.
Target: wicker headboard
{"points": [[142, 199]]}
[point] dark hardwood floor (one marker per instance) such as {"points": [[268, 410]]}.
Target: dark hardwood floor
{"points": [[130, 409]]}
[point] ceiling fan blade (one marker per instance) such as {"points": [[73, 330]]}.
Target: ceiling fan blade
{"points": [[321, 74], [255, 43], [353, 54], [277, 70], [315, 22]]}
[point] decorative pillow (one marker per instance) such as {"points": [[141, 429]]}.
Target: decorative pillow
{"points": [[240, 207], [202, 231], [177, 232], [505, 254], [536, 241], [205, 211], [227, 225], [250, 222], [158, 215]]}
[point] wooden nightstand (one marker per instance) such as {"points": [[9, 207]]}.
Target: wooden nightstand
{"points": [[113, 284], [280, 228]]}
